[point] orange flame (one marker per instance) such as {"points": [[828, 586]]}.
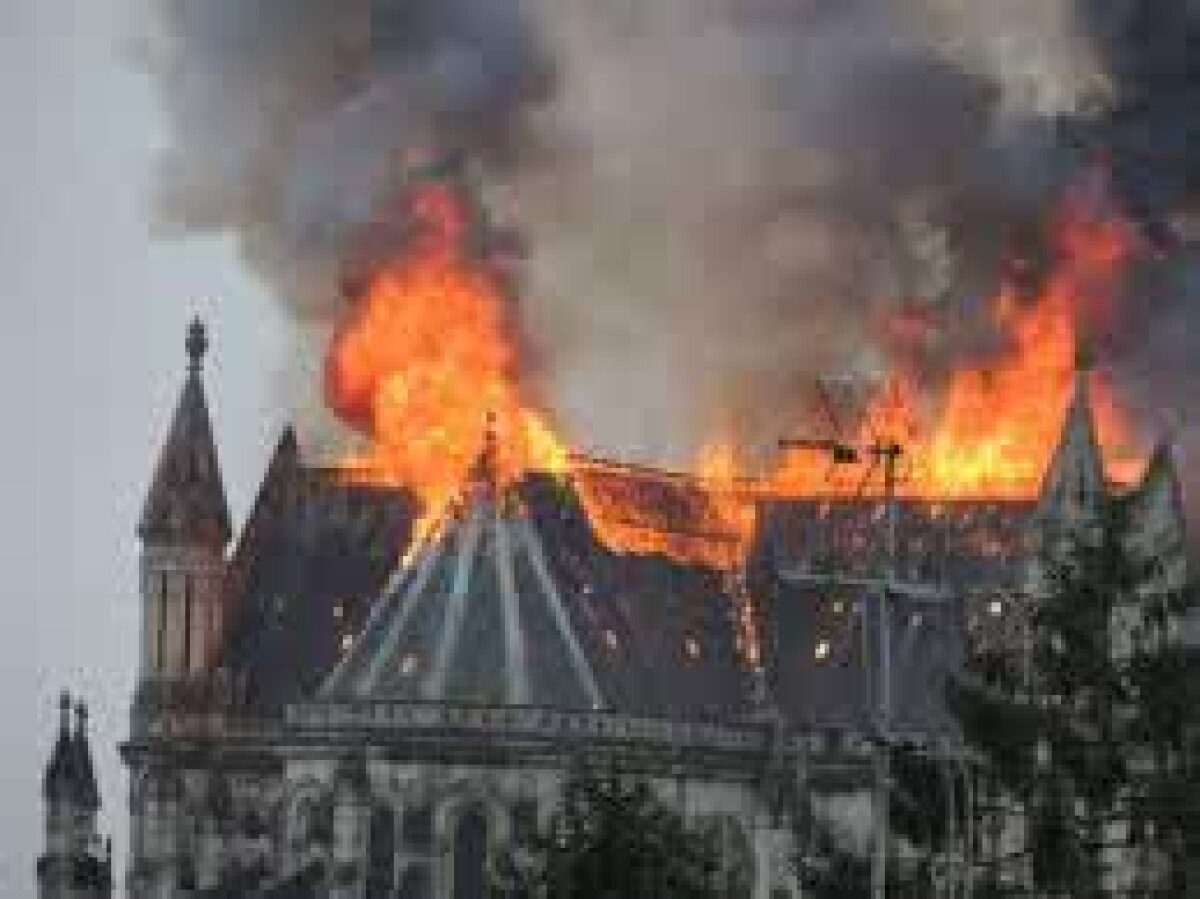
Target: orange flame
{"points": [[426, 359], [996, 426], [707, 517], [427, 356]]}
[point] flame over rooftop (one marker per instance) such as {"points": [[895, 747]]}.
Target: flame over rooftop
{"points": [[428, 364]]}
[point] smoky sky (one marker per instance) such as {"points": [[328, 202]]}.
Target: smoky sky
{"points": [[721, 199]]}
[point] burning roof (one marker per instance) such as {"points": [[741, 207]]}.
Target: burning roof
{"points": [[475, 617]]}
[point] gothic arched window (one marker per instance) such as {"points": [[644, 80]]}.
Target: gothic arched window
{"points": [[470, 854]]}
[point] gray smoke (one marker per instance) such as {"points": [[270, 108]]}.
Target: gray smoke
{"points": [[721, 198]]}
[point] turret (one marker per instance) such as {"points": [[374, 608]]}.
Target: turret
{"points": [[59, 785], [74, 863], [185, 528]]}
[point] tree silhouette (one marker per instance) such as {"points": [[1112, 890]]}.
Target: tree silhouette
{"points": [[609, 837]]}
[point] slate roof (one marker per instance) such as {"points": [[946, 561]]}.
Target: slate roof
{"points": [[822, 646], [1074, 485], [315, 552], [519, 602], [657, 635], [476, 618], [660, 634]]}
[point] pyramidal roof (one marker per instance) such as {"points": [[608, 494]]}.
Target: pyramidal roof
{"points": [[186, 501], [1154, 510], [59, 781], [1074, 483], [476, 617]]}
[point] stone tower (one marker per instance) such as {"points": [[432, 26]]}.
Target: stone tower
{"points": [[184, 530], [73, 864]]}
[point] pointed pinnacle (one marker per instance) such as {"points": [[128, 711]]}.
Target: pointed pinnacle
{"points": [[196, 344]]}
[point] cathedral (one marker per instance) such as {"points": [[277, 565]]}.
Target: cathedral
{"points": [[321, 713]]}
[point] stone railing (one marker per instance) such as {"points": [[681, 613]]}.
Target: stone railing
{"points": [[165, 716], [521, 722], [354, 719]]}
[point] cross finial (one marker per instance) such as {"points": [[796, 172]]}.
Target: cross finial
{"points": [[196, 344]]}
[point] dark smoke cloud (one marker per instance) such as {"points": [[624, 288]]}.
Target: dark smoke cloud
{"points": [[722, 198]]}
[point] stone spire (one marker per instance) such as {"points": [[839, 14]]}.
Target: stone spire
{"points": [[87, 791], [58, 783], [186, 502], [1074, 494]]}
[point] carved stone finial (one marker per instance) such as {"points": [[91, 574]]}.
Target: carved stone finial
{"points": [[196, 344]]}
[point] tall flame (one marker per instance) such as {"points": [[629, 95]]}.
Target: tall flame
{"points": [[426, 360]]}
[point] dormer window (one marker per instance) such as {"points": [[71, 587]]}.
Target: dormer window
{"points": [[691, 647]]}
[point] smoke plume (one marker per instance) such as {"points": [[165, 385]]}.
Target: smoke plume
{"points": [[721, 198]]}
